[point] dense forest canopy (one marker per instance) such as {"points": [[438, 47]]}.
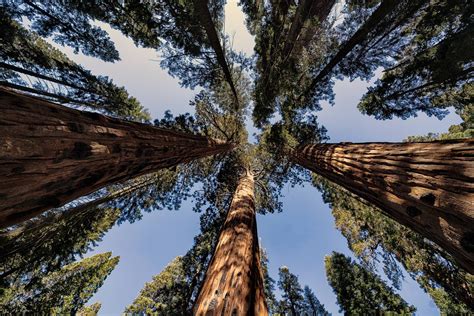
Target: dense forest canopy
{"points": [[79, 154]]}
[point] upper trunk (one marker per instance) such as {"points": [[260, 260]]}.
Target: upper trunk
{"points": [[427, 187], [51, 155], [206, 21], [234, 279]]}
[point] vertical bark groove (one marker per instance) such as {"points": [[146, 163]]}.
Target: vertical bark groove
{"points": [[428, 187], [234, 279], [51, 155]]}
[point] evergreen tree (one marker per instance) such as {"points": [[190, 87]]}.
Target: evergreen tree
{"points": [[312, 306], [359, 291], [414, 41], [240, 249], [292, 293], [161, 295], [296, 300], [63, 291], [433, 71], [289, 39], [269, 284]]}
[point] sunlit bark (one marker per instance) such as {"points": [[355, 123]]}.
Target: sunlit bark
{"points": [[234, 279], [428, 187]]}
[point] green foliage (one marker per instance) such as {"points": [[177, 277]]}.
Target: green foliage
{"points": [[312, 306], [49, 242], [89, 310], [359, 291], [292, 293], [58, 77], [63, 291], [296, 300], [290, 39], [269, 283], [66, 26], [133, 18], [160, 295], [422, 45], [254, 12]]}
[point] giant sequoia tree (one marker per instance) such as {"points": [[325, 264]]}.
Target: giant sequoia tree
{"points": [[424, 186], [87, 149], [236, 260]]}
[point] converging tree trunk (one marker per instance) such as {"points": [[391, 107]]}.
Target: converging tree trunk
{"points": [[234, 279], [202, 9], [16, 237], [428, 187], [51, 155]]}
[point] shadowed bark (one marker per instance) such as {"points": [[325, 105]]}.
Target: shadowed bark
{"points": [[234, 279], [51, 155], [428, 187]]}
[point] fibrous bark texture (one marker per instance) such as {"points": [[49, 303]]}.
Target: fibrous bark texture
{"points": [[428, 187], [51, 155], [234, 279]]}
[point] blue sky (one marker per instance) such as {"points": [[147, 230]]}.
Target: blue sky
{"points": [[299, 237]]}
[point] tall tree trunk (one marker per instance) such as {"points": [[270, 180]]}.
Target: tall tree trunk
{"points": [[428, 187], [51, 155], [234, 279], [204, 15]]}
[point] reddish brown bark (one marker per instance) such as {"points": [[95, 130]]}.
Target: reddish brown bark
{"points": [[234, 279], [51, 155], [428, 187]]}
